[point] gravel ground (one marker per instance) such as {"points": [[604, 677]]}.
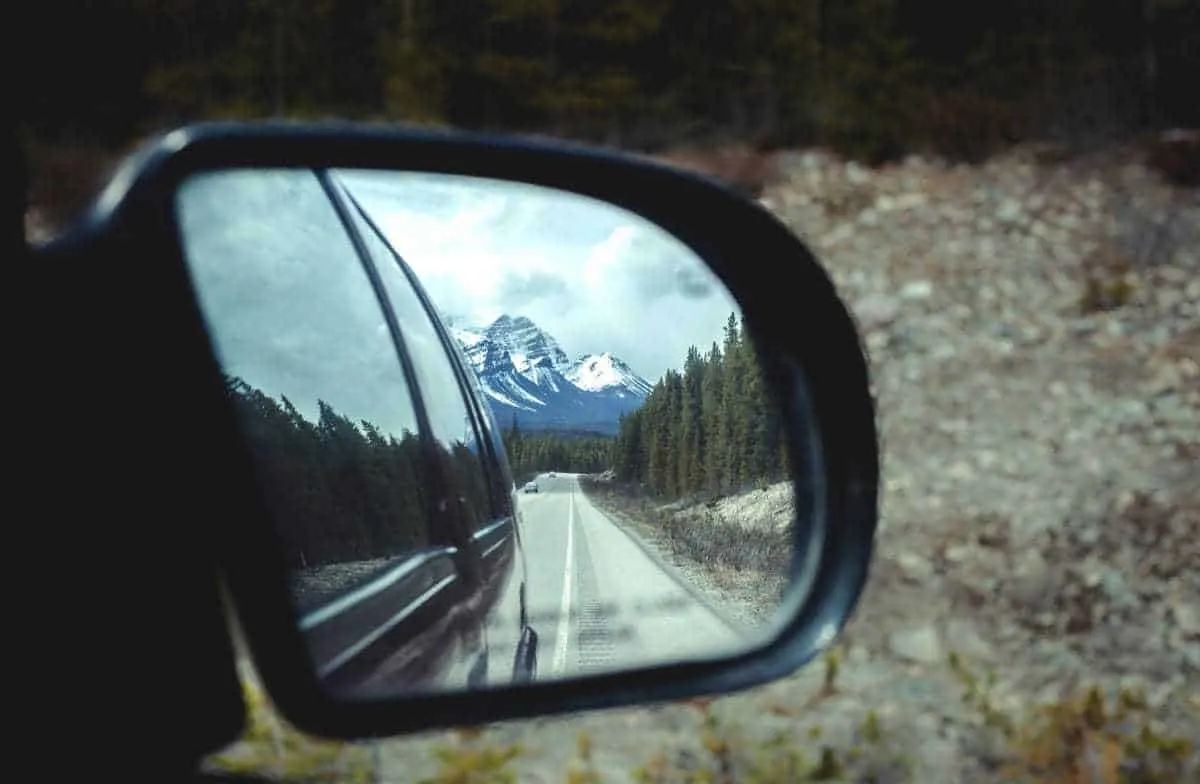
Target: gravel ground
{"points": [[1034, 336]]}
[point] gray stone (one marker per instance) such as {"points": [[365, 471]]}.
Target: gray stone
{"points": [[916, 568], [1186, 616], [922, 645], [917, 289], [961, 636], [874, 312]]}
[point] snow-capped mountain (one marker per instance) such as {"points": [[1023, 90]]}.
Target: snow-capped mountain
{"points": [[596, 372], [524, 372]]}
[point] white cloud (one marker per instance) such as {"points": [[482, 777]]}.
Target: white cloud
{"points": [[285, 298], [596, 277]]}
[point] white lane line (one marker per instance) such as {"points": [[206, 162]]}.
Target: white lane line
{"points": [[564, 613]]}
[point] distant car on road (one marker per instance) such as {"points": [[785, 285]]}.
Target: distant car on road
{"points": [[551, 474], [531, 487]]}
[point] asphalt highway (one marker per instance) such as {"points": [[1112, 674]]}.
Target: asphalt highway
{"points": [[597, 600]]}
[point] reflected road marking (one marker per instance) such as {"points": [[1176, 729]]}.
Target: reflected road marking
{"points": [[564, 616]]}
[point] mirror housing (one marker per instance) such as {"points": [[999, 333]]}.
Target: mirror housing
{"points": [[805, 337]]}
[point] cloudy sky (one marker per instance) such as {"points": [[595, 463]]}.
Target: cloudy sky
{"points": [[594, 276], [287, 303]]}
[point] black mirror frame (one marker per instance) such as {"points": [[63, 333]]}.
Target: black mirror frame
{"points": [[805, 336]]}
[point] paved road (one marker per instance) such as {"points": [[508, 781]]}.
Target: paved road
{"points": [[597, 600]]}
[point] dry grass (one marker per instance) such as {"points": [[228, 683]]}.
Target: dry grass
{"points": [[704, 539], [1089, 738], [271, 747]]}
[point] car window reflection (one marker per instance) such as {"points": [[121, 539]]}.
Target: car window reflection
{"points": [[312, 372], [450, 421]]}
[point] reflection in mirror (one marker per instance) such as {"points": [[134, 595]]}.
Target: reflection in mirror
{"points": [[504, 433]]}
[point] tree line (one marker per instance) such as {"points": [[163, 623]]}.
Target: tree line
{"points": [[341, 491], [709, 429], [870, 77], [534, 452]]}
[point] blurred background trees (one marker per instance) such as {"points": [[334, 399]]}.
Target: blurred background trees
{"points": [[872, 79]]}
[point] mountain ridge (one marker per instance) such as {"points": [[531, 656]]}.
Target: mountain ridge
{"points": [[528, 377]]}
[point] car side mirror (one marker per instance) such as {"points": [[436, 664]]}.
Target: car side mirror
{"points": [[514, 427]]}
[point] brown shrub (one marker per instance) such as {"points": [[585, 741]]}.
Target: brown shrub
{"points": [[747, 169], [966, 126], [1176, 156]]}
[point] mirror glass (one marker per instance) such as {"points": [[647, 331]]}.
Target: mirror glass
{"points": [[504, 433]]}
